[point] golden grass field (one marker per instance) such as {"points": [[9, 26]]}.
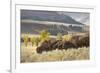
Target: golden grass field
{"points": [[28, 54]]}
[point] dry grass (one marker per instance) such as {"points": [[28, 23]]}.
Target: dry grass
{"points": [[28, 54]]}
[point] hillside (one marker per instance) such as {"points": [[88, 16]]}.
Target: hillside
{"points": [[35, 28], [48, 16]]}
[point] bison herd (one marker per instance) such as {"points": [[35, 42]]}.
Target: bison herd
{"points": [[74, 42]]}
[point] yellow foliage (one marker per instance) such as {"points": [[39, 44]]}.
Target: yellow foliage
{"points": [[25, 38], [67, 37], [44, 35], [59, 36], [32, 40]]}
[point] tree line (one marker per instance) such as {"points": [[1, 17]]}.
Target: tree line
{"points": [[44, 36]]}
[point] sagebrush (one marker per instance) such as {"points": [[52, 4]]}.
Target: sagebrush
{"points": [[56, 55]]}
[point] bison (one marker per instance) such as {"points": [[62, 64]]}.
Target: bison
{"points": [[75, 42], [56, 44], [44, 47], [81, 41]]}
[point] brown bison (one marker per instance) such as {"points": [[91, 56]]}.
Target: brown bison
{"points": [[63, 45], [44, 47], [81, 41], [75, 42], [56, 44]]}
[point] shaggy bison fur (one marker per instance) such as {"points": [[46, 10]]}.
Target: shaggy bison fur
{"points": [[81, 41], [52, 45], [75, 42]]}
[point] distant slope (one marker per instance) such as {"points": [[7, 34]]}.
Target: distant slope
{"points": [[34, 21], [48, 16], [36, 28]]}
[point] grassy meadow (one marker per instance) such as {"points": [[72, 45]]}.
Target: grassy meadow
{"points": [[29, 54]]}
